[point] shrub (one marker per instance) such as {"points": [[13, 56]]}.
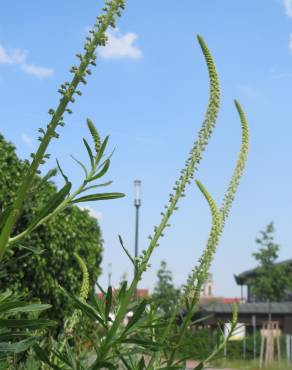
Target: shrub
{"points": [[39, 275]]}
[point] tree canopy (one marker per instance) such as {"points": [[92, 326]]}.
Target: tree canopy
{"points": [[165, 294], [271, 281]]}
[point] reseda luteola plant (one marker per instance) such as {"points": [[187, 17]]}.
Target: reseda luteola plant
{"points": [[146, 333], [127, 344]]}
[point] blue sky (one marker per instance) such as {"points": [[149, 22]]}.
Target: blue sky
{"points": [[149, 93]]}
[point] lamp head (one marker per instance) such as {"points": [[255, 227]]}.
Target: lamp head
{"points": [[137, 189]]}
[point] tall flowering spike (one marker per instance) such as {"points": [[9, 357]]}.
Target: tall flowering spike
{"points": [[84, 291], [240, 164], [199, 145], [73, 320], [212, 205], [94, 134]]}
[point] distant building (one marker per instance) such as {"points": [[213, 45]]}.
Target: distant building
{"points": [[245, 279], [219, 309], [249, 312], [207, 290]]}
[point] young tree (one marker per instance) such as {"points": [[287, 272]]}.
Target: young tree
{"points": [[271, 281], [165, 294]]}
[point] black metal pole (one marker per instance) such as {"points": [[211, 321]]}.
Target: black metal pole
{"points": [[136, 233]]}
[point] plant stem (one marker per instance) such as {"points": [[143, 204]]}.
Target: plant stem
{"points": [[98, 39]]}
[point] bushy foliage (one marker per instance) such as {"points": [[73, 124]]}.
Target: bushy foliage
{"points": [[40, 274]]}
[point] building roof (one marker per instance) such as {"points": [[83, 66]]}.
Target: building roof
{"points": [[241, 278], [251, 308]]}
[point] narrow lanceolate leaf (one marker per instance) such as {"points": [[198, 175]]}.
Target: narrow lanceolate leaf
{"points": [[122, 291], [87, 309], [101, 150], [126, 250], [101, 196], [96, 186], [62, 172], [89, 151], [54, 202], [102, 172], [17, 347], [26, 323], [137, 315], [4, 215], [108, 303], [141, 364], [35, 307], [81, 165]]}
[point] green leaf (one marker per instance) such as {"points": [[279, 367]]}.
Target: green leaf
{"points": [[102, 172], [54, 202], [100, 288], [89, 151], [122, 291], [5, 295], [62, 173], [155, 346], [100, 196], [35, 250], [17, 347], [87, 310], [8, 336], [126, 250], [141, 364], [81, 165], [96, 186], [4, 216], [137, 315], [101, 150], [26, 323], [35, 307], [108, 303]]}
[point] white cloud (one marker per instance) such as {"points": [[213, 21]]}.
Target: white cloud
{"points": [[92, 212], [120, 46], [14, 56], [19, 57], [37, 71], [288, 7], [26, 140]]}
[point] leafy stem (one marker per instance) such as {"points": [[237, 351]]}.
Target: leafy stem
{"points": [[67, 91], [63, 199]]}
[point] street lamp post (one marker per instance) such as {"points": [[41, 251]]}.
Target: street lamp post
{"points": [[137, 204]]}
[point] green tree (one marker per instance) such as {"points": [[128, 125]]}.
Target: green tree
{"points": [[165, 294], [271, 281], [41, 275]]}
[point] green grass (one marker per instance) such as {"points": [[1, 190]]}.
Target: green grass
{"points": [[250, 365]]}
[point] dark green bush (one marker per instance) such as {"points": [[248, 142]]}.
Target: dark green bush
{"points": [[73, 230]]}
